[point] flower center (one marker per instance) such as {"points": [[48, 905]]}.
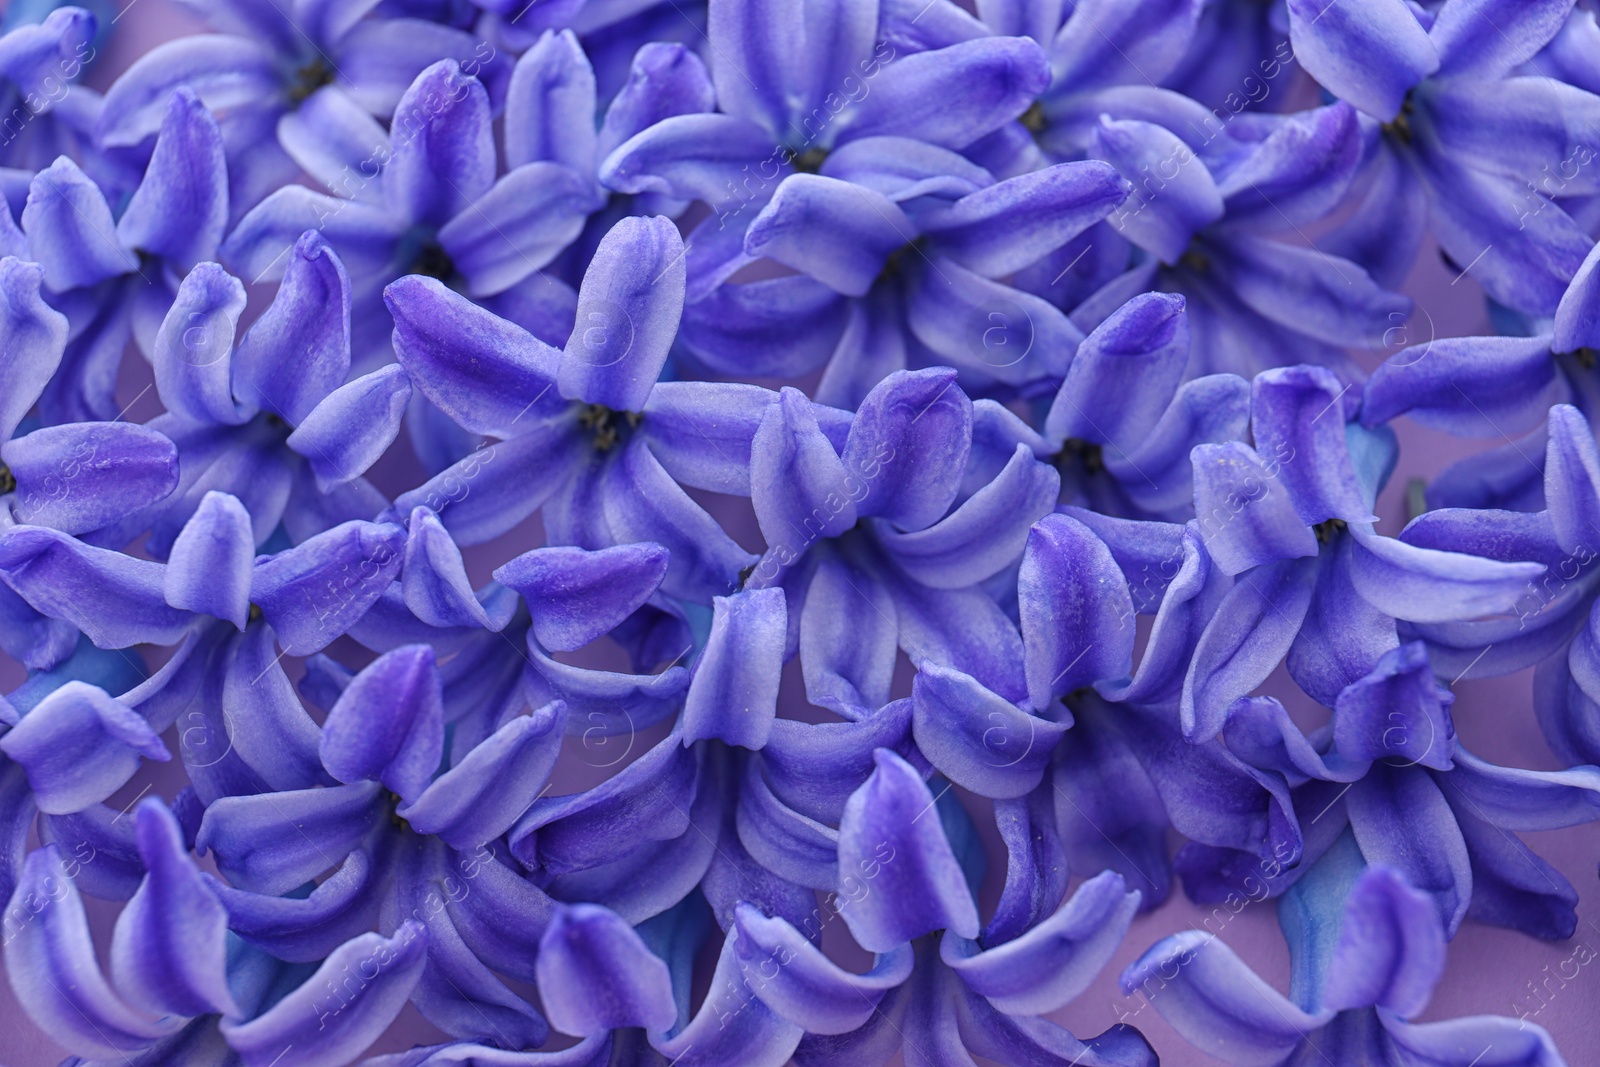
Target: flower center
{"points": [[810, 161], [607, 427], [1085, 454], [1585, 357], [308, 79], [1400, 126], [1033, 120], [1327, 531], [8, 481], [434, 262]]}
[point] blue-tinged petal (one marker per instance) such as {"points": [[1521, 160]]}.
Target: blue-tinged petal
{"points": [[1160, 218], [298, 351], [1245, 514], [1076, 612], [1514, 888], [1402, 820], [1477, 37], [1296, 420], [1252, 630], [275, 842], [648, 800], [1107, 42], [82, 476], [731, 1025], [180, 209], [628, 311], [317, 591], [1146, 341], [517, 227], [259, 246], [1572, 479], [990, 331], [1390, 951], [53, 970], [1515, 799], [499, 913], [985, 534], [814, 768], [1310, 292], [1298, 173], [352, 427], [483, 794], [342, 1008], [1577, 322], [1520, 126], [733, 689], [116, 600], [1397, 712], [169, 950], [33, 336], [388, 724], [550, 105], [1495, 1041], [70, 230], [1216, 1002], [664, 79], [1343, 634], [909, 442], [194, 349], [1467, 386], [898, 878], [596, 974], [847, 637], [337, 142], [78, 746], [434, 579], [443, 146], [641, 502], [903, 169], [789, 843], [998, 230], [224, 70], [1430, 585], [703, 433], [998, 77], [800, 489], [575, 595], [1158, 475], [1369, 52], [306, 929], [1036, 865], [779, 327], [978, 740], [104, 858], [794, 979], [609, 703], [1522, 251], [1384, 231], [379, 58], [1056, 959], [495, 487], [838, 233], [265, 723], [484, 372], [961, 628], [701, 157]]}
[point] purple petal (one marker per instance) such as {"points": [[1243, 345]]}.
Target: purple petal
{"points": [[1468, 386], [800, 490], [1477, 37], [1295, 418], [909, 441], [194, 348], [838, 233], [733, 689], [596, 974], [32, 340], [443, 147], [1164, 219], [298, 351], [180, 209], [628, 311], [83, 476], [316, 592], [1397, 711], [665, 79], [1146, 341], [898, 878], [575, 595], [78, 746], [1390, 951], [978, 740], [388, 724], [1075, 609], [550, 105], [953, 96], [70, 231], [275, 842], [515, 229], [1369, 52], [352, 427]]}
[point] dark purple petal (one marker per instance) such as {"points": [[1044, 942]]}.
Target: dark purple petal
{"points": [[1075, 609], [909, 442], [315, 592], [1144, 341], [180, 209], [298, 351], [1398, 713], [1402, 820], [275, 842], [838, 233], [575, 595], [1390, 951], [443, 146], [82, 476], [306, 929], [1468, 386], [209, 566]]}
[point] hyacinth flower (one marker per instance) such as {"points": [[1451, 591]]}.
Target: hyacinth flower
{"points": [[1125, 452], [838, 170], [114, 274], [1290, 520], [77, 477], [588, 432], [1390, 771], [182, 989], [271, 65], [1497, 387], [1366, 951], [1461, 133], [424, 198], [44, 113], [871, 533], [1562, 536], [1100, 720], [940, 982], [271, 420], [1207, 215]]}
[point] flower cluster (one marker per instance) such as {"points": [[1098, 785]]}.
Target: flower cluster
{"points": [[639, 506]]}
